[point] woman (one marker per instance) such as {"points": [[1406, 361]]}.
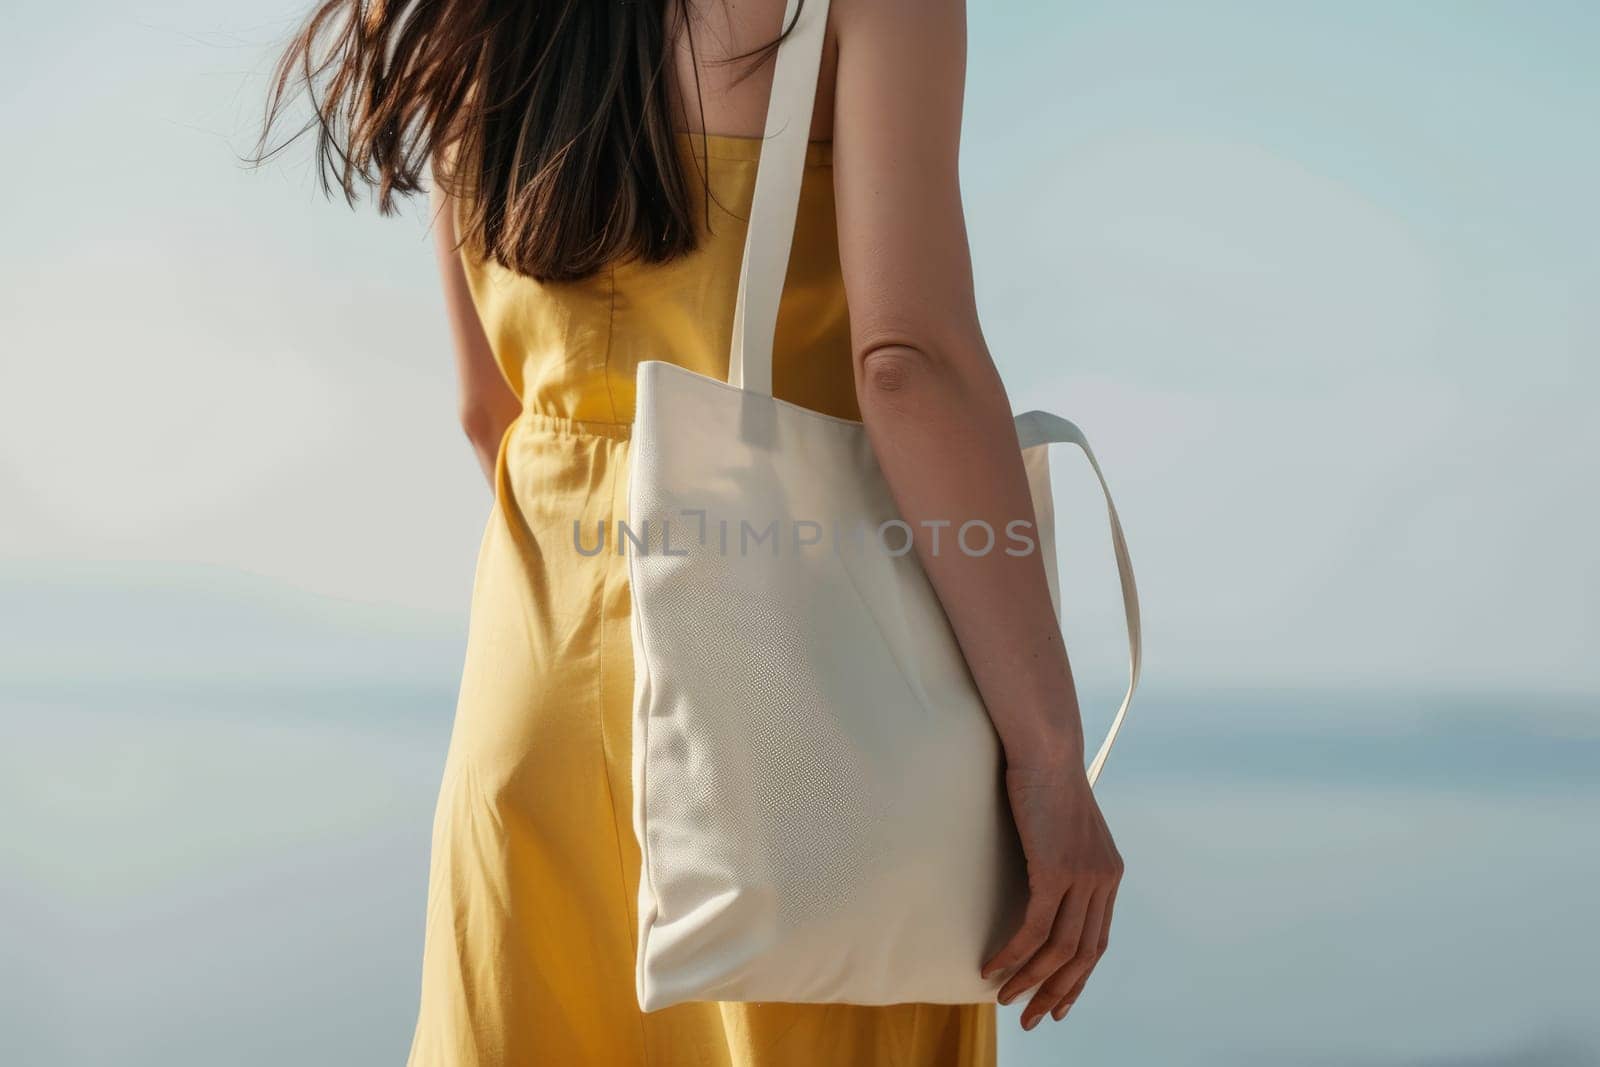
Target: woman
{"points": [[593, 164]]}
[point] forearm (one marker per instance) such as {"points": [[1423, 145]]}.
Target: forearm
{"points": [[487, 405], [945, 440]]}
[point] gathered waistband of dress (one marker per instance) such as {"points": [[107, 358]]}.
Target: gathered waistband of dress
{"points": [[541, 423]]}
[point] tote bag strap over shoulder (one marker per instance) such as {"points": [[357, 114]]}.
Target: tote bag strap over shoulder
{"points": [[777, 195]]}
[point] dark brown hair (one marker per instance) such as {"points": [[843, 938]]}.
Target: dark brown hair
{"points": [[551, 119]]}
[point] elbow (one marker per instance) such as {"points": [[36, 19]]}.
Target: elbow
{"points": [[482, 424], [902, 378], [896, 374]]}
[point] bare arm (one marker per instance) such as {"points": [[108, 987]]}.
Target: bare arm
{"points": [[940, 423], [487, 404]]}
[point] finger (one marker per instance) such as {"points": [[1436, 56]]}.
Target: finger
{"points": [[1031, 932], [1059, 1012], [1058, 991], [1057, 949], [1105, 924]]}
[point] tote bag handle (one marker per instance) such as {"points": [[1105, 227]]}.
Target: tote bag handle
{"points": [[1036, 429]]}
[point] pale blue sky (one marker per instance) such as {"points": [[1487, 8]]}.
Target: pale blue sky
{"points": [[1317, 277]]}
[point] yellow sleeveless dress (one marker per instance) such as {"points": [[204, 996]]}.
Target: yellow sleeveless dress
{"points": [[532, 899]]}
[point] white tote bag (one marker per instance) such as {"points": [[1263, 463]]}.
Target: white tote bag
{"points": [[817, 787]]}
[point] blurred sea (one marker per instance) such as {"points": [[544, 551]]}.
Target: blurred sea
{"points": [[233, 873]]}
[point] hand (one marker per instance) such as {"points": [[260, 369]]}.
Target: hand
{"points": [[1073, 873]]}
